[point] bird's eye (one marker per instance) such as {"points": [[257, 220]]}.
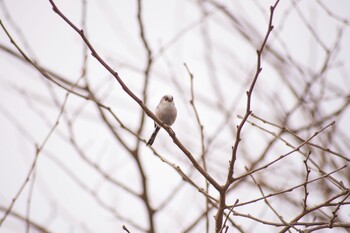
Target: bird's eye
{"points": [[166, 99]]}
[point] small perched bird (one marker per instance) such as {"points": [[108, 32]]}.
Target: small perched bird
{"points": [[166, 112]]}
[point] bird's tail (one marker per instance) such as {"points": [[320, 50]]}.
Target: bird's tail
{"points": [[153, 136]]}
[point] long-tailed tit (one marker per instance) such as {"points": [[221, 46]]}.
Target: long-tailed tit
{"points": [[166, 112]]}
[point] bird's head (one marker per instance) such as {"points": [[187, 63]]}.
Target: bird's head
{"points": [[167, 98]]}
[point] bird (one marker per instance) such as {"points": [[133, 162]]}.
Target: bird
{"points": [[165, 112]]}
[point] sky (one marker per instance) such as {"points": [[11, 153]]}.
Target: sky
{"points": [[177, 32]]}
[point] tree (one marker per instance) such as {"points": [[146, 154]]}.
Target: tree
{"points": [[260, 143]]}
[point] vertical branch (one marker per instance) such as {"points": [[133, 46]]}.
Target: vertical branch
{"points": [[230, 180], [249, 95], [148, 67], [85, 48], [29, 201], [224, 225], [209, 58], [147, 70], [307, 170], [202, 144]]}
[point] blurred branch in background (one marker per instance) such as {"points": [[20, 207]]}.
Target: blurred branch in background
{"points": [[261, 141]]}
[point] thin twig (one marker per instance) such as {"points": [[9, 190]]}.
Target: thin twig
{"points": [[201, 131], [32, 167], [301, 139], [284, 155], [301, 215], [268, 203], [290, 189]]}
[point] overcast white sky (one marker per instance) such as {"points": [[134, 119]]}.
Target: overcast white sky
{"points": [[112, 28]]}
